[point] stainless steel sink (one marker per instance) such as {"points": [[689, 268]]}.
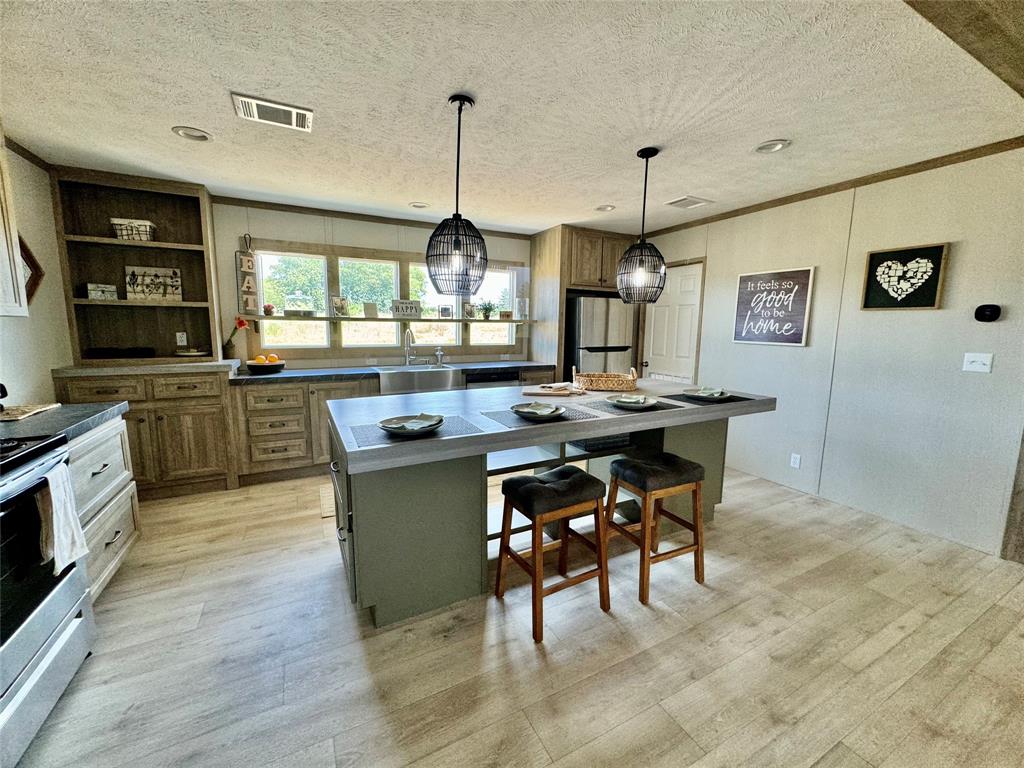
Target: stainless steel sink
{"points": [[399, 379]]}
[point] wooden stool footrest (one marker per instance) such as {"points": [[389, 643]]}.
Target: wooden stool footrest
{"points": [[673, 553], [623, 530], [571, 581], [677, 520]]}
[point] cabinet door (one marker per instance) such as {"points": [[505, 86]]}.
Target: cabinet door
{"points": [[613, 249], [140, 445], [586, 260], [192, 441], [320, 420]]}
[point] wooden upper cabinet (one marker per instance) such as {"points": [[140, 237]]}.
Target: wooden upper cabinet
{"points": [[586, 262], [13, 297], [613, 250], [192, 441]]}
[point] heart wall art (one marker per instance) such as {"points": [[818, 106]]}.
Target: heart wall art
{"points": [[905, 278]]}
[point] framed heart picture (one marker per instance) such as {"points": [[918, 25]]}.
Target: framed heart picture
{"points": [[905, 278]]}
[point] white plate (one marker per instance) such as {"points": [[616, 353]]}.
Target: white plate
{"points": [[649, 402], [521, 410], [696, 395], [396, 425]]}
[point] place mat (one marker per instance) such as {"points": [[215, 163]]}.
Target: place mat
{"points": [[606, 407], [510, 419], [691, 401], [368, 435]]}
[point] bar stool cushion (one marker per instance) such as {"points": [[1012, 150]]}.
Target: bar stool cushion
{"points": [[655, 471], [556, 489]]}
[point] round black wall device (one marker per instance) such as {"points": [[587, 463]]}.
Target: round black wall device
{"points": [[987, 313]]}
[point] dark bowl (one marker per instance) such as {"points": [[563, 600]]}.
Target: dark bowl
{"points": [[262, 369]]}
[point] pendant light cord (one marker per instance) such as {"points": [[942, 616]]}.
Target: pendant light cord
{"points": [[643, 215], [458, 155]]}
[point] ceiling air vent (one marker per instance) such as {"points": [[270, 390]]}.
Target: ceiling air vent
{"points": [[263, 111], [689, 201]]}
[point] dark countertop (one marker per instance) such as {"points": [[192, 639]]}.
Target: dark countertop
{"points": [[304, 375], [70, 420]]}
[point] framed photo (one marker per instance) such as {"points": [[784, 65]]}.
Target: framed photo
{"points": [[152, 284], [446, 311], [339, 306], [905, 278], [505, 314], [773, 307], [468, 311]]}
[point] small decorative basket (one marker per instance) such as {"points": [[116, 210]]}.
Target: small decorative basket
{"points": [[606, 382], [133, 229]]}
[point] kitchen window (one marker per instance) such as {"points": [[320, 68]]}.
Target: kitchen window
{"points": [[306, 276]]}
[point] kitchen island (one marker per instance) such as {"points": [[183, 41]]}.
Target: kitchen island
{"points": [[412, 512]]}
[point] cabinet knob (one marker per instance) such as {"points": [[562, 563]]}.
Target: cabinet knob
{"points": [[160, 418], [312, 392], [142, 419]]}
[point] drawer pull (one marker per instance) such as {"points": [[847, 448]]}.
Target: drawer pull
{"points": [[275, 424], [107, 391], [188, 386], [101, 470], [334, 467], [277, 450], [275, 400], [117, 535], [341, 536]]}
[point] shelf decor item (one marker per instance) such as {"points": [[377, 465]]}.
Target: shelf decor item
{"points": [[268, 310], [339, 306], [456, 253], [406, 309], [101, 291], [905, 278], [640, 277], [446, 311], [468, 311], [133, 229], [605, 382], [505, 314], [486, 309], [152, 283]]}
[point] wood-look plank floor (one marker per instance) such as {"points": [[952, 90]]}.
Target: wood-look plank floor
{"points": [[823, 637]]}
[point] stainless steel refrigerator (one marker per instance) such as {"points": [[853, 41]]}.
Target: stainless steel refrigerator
{"points": [[600, 334]]}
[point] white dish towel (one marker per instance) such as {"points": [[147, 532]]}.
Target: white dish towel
{"points": [[61, 537]]}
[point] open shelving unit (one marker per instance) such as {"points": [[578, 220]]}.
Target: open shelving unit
{"points": [[116, 332]]}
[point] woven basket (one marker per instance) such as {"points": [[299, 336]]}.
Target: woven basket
{"points": [[607, 382], [133, 229]]}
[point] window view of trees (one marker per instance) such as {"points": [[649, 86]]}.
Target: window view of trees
{"points": [[371, 282], [292, 281], [499, 287]]}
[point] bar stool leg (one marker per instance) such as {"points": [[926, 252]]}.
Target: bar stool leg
{"points": [[656, 525], [613, 492], [506, 534], [698, 534], [563, 549], [646, 514], [601, 532], [538, 580]]}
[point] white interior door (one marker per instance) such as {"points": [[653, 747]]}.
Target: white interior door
{"points": [[670, 336]]}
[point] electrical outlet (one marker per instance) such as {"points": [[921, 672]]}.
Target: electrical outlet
{"points": [[506, 356], [794, 460], [181, 339], [978, 362]]}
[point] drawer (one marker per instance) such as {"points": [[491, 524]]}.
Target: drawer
{"points": [[167, 387], [104, 389], [275, 450], [98, 469], [259, 398], [270, 424], [113, 529]]}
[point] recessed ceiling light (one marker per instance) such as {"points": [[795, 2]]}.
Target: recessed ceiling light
{"points": [[605, 208], [772, 145], [417, 204], [191, 133]]}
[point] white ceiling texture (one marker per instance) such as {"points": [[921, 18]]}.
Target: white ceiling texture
{"points": [[566, 93]]}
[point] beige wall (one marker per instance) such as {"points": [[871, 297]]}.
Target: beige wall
{"points": [[897, 429], [31, 346], [230, 222]]}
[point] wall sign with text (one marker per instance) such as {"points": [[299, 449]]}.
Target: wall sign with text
{"points": [[773, 307]]}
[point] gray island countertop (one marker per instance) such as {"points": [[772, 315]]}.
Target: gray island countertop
{"points": [[494, 436]]}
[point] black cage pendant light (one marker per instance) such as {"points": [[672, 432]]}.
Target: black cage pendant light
{"points": [[456, 252], [641, 274]]}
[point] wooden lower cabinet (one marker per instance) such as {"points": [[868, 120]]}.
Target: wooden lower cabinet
{"points": [[319, 395], [531, 378], [191, 441], [140, 443]]}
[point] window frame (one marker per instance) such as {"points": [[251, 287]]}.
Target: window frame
{"points": [[262, 297], [332, 254]]}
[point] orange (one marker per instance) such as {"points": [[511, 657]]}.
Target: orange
{"points": [[272, 358], [260, 359]]}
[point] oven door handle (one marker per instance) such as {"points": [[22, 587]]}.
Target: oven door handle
{"points": [[30, 482]]}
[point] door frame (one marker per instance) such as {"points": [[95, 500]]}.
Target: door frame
{"points": [[641, 325]]}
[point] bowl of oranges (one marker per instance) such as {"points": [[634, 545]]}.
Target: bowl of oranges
{"points": [[264, 364]]}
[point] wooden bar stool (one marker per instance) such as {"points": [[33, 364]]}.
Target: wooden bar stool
{"points": [[652, 478], [553, 497]]}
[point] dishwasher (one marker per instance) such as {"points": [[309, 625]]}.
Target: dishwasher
{"points": [[502, 377]]}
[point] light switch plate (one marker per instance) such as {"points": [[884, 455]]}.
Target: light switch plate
{"points": [[181, 339], [978, 362]]}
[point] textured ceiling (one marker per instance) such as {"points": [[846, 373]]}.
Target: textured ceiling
{"points": [[566, 92]]}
